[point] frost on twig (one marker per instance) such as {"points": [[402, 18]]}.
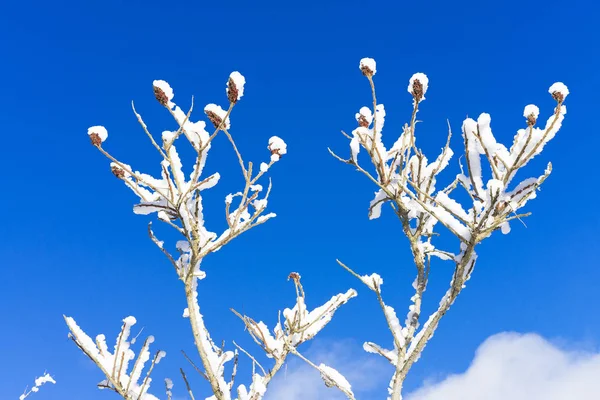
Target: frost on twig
{"points": [[407, 180], [127, 382], [37, 384]]}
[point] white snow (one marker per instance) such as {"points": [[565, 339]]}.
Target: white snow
{"points": [[373, 281], [107, 360], [311, 323], [391, 355], [100, 131], [161, 354], [333, 378], [43, 379], [277, 147], [219, 112], [166, 89], [368, 63], [560, 88], [354, 148], [366, 113], [239, 81], [393, 320], [531, 109], [421, 77]]}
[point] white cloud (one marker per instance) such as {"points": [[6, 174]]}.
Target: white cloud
{"points": [[507, 366], [520, 367], [298, 381]]}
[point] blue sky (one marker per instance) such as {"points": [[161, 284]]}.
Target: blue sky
{"points": [[69, 243]]}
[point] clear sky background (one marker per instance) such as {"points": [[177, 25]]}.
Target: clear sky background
{"points": [[69, 243]]}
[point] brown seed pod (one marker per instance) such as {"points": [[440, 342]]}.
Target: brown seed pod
{"points": [[214, 118], [118, 172], [232, 91], [417, 90], [161, 96], [294, 275], [95, 138]]}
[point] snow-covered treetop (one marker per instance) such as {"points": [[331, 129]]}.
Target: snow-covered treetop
{"points": [[408, 181]]}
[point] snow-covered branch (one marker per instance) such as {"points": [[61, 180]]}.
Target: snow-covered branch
{"points": [[37, 384], [299, 326], [176, 197], [115, 366], [407, 180]]}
